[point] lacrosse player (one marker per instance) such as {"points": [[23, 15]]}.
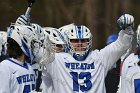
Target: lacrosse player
{"points": [[16, 74], [130, 73], [83, 70]]}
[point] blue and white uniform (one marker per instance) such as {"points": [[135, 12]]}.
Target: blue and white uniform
{"points": [[67, 75], [16, 77], [130, 75]]}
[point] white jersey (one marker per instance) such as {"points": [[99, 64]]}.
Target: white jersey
{"points": [[130, 75], [71, 76], [16, 77]]}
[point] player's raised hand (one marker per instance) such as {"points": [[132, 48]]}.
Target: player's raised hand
{"points": [[125, 21], [22, 20]]}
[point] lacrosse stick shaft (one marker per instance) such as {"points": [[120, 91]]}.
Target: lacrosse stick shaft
{"points": [[27, 14]]}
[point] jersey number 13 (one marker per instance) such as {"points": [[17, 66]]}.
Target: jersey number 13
{"points": [[86, 83]]}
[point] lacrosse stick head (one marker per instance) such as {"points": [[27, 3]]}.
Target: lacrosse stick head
{"points": [[48, 52]]}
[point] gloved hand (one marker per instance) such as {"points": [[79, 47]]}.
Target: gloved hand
{"points": [[125, 20], [22, 20], [126, 23]]}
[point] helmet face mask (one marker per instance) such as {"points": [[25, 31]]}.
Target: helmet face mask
{"points": [[57, 42], [138, 36], [3, 42], [79, 46], [35, 46], [58, 47], [39, 32]]}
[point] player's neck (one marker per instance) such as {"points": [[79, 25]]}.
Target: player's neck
{"points": [[21, 58]]}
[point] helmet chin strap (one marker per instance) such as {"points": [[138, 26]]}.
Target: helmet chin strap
{"points": [[79, 57]]}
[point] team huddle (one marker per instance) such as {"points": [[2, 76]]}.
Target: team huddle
{"points": [[37, 59]]}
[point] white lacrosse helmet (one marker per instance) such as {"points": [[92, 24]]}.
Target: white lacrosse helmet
{"points": [[26, 37], [39, 32], [3, 42], [64, 29], [79, 40], [138, 35], [56, 38]]}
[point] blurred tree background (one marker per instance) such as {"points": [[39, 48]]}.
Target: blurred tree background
{"points": [[98, 15]]}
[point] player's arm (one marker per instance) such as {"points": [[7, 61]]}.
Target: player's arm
{"points": [[111, 53], [4, 80]]}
